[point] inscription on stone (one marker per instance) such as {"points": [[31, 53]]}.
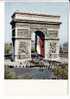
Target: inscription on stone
{"points": [[52, 33], [23, 33]]}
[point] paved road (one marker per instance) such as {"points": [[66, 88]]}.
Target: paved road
{"points": [[35, 73]]}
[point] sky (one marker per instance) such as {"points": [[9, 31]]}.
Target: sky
{"points": [[39, 0], [53, 8]]}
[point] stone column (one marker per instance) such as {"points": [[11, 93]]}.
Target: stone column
{"points": [[52, 42], [46, 48]]}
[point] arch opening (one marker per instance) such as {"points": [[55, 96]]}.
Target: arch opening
{"points": [[38, 44]]}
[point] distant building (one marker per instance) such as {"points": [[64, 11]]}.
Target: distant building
{"points": [[64, 50]]}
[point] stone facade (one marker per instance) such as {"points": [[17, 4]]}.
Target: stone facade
{"points": [[24, 24]]}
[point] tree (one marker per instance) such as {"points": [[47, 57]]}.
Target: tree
{"points": [[9, 73], [8, 48], [61, 72]]}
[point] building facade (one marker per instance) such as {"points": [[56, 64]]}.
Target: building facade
{"points": [[46, 28]]}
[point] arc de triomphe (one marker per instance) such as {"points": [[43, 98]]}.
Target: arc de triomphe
{"points": [[24, 24]]}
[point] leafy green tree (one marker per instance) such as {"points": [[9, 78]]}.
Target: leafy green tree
{"points": [[61, 72], [9, 73], [8, 48]]}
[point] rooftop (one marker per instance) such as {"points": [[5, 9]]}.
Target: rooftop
{"points": [[34, 13]]}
